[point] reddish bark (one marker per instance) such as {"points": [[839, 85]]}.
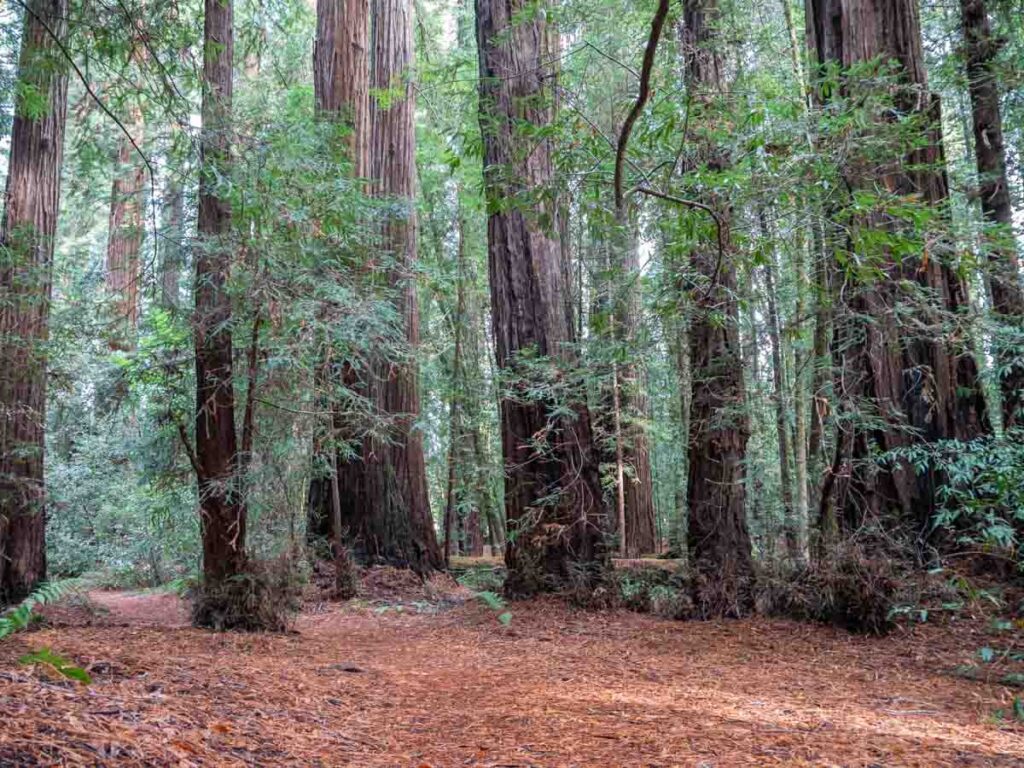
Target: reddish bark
{"points": [[994, 192], [222, 508], [919, 381], [125, 237], [717, 535], [552, 490], [32, 202], [341, 87], [395, 524]]}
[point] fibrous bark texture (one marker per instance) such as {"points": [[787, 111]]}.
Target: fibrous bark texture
{"points": [[717, 535], [994, 192], [341, 75], [395, 524], [124, 238], [341, 86], [222, 508], [553, 499], [32, 201], [898, 382]]}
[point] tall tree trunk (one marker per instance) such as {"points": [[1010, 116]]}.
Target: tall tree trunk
{"points": [[171, 249], [553, 493], [341, 73], [821, 364], [993, 189], [679, 348], [124, 239], [718, 539], [456, 434], [800, 358], [799, 389], [395, 525], [32, 202], [634, 493], [222, 507], [341, 91], [916, 380], [631, 411], [793, 529]]}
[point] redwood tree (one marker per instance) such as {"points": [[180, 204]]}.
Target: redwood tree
{"points": [[552, 490], [341, 83], [717, 535], [124, 238], [222, 507], [32, 201], [896, 386], [394, 523], [980, 50]]}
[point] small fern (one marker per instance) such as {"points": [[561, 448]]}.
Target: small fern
{"points": [[54, 661], [496, 603], [20, 616]]}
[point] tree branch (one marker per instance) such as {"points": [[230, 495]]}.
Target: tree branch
{"points": [[657, 24], [189, 450]]}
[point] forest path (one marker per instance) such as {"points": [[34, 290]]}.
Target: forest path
{"points": [[364, 687]]}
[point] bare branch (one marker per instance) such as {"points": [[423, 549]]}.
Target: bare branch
{"points": [[657, 24]]}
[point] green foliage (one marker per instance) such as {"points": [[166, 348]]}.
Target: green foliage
{"points": [[655, 590], [483, 578], [982, 498], [57, 663], [496, 603], [22, 615]]}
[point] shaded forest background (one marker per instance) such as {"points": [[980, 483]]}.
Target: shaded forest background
{"points": [[727, 281]]}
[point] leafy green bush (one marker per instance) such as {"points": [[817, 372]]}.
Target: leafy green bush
{"points": [[981, 502], [655, 590], [112, 512], [496, 603], [483, 578]]}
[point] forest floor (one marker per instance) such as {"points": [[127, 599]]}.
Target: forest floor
{"points": [[418, 677]]}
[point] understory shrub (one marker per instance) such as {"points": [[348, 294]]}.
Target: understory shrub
{"points": [[655, 590], [981, 500], [263, 599], [850, 589]]}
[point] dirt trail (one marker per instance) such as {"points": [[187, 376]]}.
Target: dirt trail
{"points": [[362, 687]]}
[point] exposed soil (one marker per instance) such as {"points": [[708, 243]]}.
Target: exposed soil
{"points": [[436, 680]]}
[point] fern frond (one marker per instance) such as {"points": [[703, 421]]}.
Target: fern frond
{"points": [[20, 616]]}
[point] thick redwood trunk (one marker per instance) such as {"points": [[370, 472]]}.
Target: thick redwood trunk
{"points": [[395, 524], [552, 490], [341, 87], [32, 202], [994, 191], [124, 238], [222, 507], [341, 74], [898, 377], [718, 539]]}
